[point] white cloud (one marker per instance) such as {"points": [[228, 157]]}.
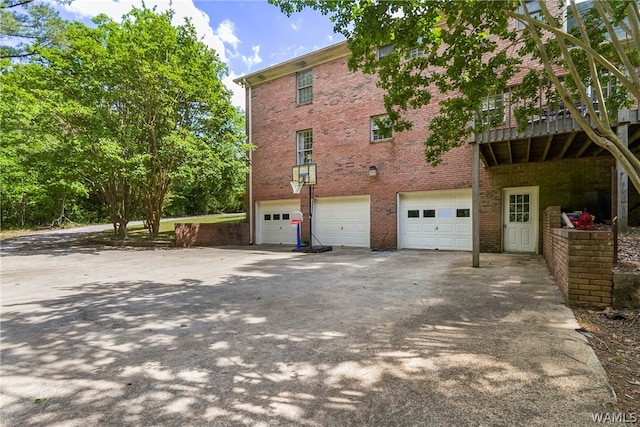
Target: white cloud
{"points": [[294, 27], [250, 61], [225, 32]]}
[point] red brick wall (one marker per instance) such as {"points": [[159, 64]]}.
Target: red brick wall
{"points": [[550, 219], [340, 119], [581, 261], [555, 250], [211, 234]]}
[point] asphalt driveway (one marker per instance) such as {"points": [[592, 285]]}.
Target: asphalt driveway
{"points": [[262, 336]]}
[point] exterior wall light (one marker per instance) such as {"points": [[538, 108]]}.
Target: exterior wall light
{"points": [[373, 171]]}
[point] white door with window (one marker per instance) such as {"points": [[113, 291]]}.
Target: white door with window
{"points": [[520, 218]]}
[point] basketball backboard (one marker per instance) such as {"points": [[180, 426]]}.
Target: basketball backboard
{"points": [[306, 173]]}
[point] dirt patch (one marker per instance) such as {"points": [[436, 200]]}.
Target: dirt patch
{"points": [[615, 338], [629, 250]]}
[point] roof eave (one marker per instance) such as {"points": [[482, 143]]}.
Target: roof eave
{"points": [[299, 63]]}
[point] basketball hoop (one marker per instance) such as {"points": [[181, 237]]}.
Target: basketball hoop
{"points": [[295, 220], [296, 186]]}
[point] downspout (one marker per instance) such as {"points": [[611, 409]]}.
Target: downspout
{"points": [[250, 137]]}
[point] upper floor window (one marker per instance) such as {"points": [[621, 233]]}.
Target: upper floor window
{"points": [[385, 50], [305, 87], [305, 145], [415, 52], [533, 7], [584, 9], [492, 109], [380, 129]]}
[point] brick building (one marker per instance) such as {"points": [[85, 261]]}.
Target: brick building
{"points": [[375, 190]]}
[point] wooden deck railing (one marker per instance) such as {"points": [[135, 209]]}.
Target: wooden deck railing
{"points": [[546, 121]]}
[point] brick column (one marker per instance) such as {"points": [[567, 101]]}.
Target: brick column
{"points": [[581, 261]]}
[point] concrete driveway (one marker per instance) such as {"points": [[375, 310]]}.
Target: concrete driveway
{"points": [[262, 336]]}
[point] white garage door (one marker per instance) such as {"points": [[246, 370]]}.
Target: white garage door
{"points": [[274, 221], [341, 221], [436, 220]]}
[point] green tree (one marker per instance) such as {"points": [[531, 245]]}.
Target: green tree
{"points": [[28, 25], [469, 49], [38, 182], [141, 103]]}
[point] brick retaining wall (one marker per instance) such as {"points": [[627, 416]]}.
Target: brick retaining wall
{"points": [[581, 261], [211, 234]]}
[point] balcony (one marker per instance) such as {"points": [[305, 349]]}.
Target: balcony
{"points": [[551, 135]]}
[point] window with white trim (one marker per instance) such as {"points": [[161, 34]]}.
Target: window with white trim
{"points": [[492, 109], [380, 130], [305, 145], [415, 52], [304, 87], [519, 208]]}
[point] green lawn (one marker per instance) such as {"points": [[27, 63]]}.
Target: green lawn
{"points": [[166, 231], [167, 228]]}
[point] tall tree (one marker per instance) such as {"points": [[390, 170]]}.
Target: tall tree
{"points": [[28, 25], [141, 102], [470, 49]]}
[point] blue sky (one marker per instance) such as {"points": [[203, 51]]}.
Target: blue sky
{"points": [[248, 34]]}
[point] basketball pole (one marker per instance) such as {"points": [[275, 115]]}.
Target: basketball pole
{"points": [[301, 175], [310, 217]]}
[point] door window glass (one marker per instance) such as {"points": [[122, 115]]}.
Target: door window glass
{"points": [[519, 205]]}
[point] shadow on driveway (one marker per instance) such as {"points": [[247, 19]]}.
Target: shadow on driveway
{"points": [[261, 337]]}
